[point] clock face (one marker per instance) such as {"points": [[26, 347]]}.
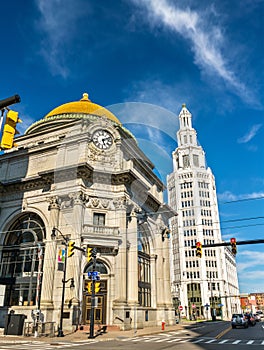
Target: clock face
{"points": [[102, 139]]}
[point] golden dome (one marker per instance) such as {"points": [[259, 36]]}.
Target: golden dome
{"points": [[84, 106]]}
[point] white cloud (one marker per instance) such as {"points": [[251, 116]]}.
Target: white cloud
{"points": [[57, 22], [205, 40], [251, 134], [230, 197]]}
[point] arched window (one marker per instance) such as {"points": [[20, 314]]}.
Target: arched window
{"points": [[100, 267], [19, 266], [144, 279]]}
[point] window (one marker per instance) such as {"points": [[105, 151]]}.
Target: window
{"points": [[100, 267], [144, 279], [186, 161], [144, 285], [195, 160], [19, 265], [99, 219]]}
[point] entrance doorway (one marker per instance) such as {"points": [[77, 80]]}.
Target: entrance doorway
{"points": [[101, 301]]}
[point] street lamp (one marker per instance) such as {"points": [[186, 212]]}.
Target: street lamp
{"points": [[64, 281]]}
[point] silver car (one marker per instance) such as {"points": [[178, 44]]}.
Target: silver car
{"points": [[239, 320]]}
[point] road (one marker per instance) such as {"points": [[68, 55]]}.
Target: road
{"points": [[207, 336]]}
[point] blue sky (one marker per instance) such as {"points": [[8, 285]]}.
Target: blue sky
{"points": [[142, 59]]}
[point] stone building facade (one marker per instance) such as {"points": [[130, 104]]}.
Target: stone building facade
{"points": [[79, 175]]}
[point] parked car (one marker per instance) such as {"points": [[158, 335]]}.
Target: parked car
{"points": [[257, 317], [239, 320], [260, 313], [251, 319]]}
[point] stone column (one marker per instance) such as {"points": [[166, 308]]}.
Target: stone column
{"points": [[153, 259], [132, 260], [49, 265], [121, 263], [166, 273], [74, 262], [160, 271]]}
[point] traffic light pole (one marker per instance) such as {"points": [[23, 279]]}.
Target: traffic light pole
{"points": [[91, 335], [60, 331], [224, 244]]}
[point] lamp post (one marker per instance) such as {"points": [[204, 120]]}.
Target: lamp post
{"points": [[64, 281]]}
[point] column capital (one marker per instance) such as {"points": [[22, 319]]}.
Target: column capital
{"points": [[54, 202]]}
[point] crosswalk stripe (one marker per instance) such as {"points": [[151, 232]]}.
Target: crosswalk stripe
{"points": [[198, 341], [152, 339], [173, 340], [138, 339], [223, 341], [210, 341], [236, 341], [262, 343], [250, 342]]}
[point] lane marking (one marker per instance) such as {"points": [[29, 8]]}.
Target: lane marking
{"points": [[223, 332]]}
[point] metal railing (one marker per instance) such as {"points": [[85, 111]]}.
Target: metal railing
{"points": [[102, 230]]}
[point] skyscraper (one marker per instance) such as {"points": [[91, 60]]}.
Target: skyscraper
{"points": [[208, 286]]}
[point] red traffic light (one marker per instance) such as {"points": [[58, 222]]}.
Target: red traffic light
{"points": [[232, 240], [198, 244]]}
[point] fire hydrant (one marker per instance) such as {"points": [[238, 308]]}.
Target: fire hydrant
{"points": [[162, 325]]}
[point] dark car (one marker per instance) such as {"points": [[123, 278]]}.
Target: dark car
{"points": [[239, 320], [251, 319]]}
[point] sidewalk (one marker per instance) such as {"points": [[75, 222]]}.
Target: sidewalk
{"points": [[81, 336]]}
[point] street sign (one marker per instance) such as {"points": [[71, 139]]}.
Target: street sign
{"points": [[94, 275], [180, 307]]}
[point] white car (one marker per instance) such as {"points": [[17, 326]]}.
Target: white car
{"points": [[239, 320]]}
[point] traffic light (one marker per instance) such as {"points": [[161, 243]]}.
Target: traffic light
{"points": [[9, 130], [97, 287], [89, 254], [71, 248], [233, 246], [88, 287], [199, 249]]}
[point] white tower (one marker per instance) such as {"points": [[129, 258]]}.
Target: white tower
{"points": [[207, 286]]}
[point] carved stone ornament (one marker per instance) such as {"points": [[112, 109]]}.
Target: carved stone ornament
{"points": [[54, 202], [96, 202], [120, 203], [79, 198]]}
